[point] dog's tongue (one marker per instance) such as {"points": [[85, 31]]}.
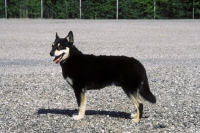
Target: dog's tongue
{"points": [[57, 59]]}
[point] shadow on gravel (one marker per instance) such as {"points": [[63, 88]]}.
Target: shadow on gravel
{"points": [[87, 112]]}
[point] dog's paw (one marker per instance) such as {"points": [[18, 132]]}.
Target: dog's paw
{"points": [[135, 120], [135, 117], [77, 117]]}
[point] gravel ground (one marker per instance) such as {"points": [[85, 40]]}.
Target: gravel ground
{"points": [[35, 98]]}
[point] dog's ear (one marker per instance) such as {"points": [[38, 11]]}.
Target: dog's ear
{"points": [[70, 37], [57, 37]]}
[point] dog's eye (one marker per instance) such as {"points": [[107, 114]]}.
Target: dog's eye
{"points": [[60, 47]]}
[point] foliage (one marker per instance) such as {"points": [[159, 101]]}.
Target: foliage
{"points": [[101, 9], [2, 9], [12, 9]]}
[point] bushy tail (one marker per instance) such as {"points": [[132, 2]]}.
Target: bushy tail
{"points": [[146, 93]]}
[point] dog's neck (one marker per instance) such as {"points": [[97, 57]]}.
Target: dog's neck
{"points": [[75, 51]]}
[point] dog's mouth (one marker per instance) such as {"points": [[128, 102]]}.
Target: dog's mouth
{"points": [[58, 58]]}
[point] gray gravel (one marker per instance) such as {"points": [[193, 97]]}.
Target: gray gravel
{"points": [[35, 98]]}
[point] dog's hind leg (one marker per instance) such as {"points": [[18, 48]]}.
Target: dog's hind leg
{"points": [[134, 97], [81, 100], [139, 108]]}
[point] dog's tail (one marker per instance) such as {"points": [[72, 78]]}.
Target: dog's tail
{"points": [[145, 91]]}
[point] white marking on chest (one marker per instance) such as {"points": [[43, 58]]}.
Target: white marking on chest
{"points": [[69, 80]]}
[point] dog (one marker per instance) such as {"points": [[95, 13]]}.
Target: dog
{"points": [[86, 72]]}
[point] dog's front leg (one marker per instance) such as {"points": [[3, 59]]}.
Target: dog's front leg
{"points": [[81, 100]]}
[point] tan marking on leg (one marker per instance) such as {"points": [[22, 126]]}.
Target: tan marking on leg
{"points": [[81, 112], [82, 106], [136, 101]]}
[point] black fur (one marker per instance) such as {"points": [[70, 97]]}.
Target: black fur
{"points": [[95, 72]]}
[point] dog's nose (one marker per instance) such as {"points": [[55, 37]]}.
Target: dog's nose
{"points": [[52, 53]]}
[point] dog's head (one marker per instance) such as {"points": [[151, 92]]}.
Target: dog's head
{"points": [[61, 47]]}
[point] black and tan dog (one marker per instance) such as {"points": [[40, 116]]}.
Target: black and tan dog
{"points": [[85, 72]]}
